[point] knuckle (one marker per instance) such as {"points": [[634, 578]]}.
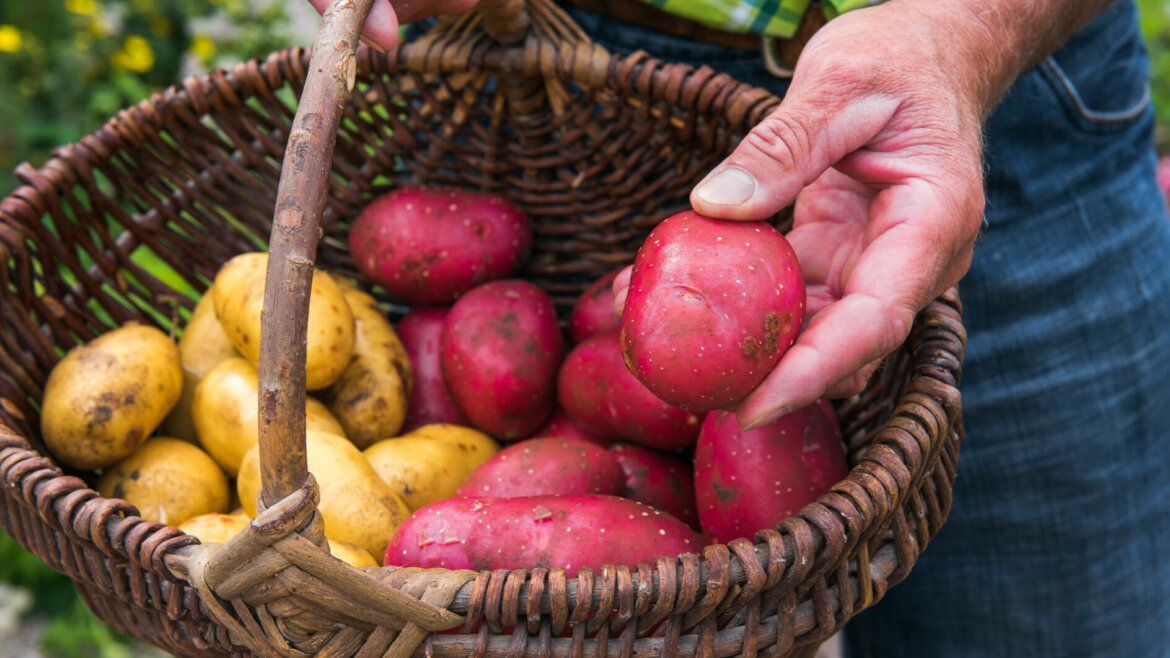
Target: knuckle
{"points": [[896, 329], [782, 139]]}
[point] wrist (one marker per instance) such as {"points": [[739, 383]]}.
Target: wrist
{"points": [[986, 44]]}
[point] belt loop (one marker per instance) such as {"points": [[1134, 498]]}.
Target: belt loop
{"points": [[780, 54], [773, 63]]}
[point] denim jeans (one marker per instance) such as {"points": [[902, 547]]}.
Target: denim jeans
{"points": [[1058, 543]]}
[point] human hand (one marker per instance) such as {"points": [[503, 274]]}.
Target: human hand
{"points": [[381, 29], [878, 143]]}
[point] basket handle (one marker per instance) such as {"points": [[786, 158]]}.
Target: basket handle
{"points": [[300, 200], [506, 21]]}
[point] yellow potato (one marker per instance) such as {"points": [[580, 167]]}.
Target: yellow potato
{"points": [[168, 480], [203, 344], [214, 528], [371, 395], [245, 268], [219, 528], [429, 464], [104, 398], [477, 446], [238, 294], [226, 409], [351, 554], [356, 505]]}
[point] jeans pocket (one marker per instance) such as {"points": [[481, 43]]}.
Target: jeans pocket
{"points": [[1102, 76]]}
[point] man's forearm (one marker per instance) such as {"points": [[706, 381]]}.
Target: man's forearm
{"points": [[997, 40]]}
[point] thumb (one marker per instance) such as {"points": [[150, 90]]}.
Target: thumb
{"points": [[808, 133], [381, 27]]}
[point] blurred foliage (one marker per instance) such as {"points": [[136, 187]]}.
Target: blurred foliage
{"points": [[1155, 17], [52, 591], [72, 631], [66, 66]]}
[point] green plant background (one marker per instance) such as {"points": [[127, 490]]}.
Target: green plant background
{"points": [[68, 65]]}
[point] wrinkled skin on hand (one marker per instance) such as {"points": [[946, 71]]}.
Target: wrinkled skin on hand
{"points": [[878, 144]]}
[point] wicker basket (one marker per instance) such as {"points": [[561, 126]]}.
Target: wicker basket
{"points": [[596, 149]]}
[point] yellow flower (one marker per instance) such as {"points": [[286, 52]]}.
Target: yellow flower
{"points": [[135, 55], [10, 40], [82, 7], [203, 47]]}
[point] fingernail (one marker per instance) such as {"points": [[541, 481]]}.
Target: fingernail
{"points": [[370, 42], [730, 186], [765, 418], [619, 301]]}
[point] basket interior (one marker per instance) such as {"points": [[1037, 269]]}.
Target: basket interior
{"points": [[132, 223]]}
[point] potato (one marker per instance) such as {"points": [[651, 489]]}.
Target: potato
{"points": [[547, 467], [659, 479], [560, 426], [104, 398], [597, 391], [168, 480], [226, 411], [593, 312], [351, 554], [430, 400], [203, 344], [711, 308], [431, 462], [565, 532], [214, 528], [370, 396], [219, 528], [478, 446], [238, 294], [430, 245], [500, 349], [749, 480], [356, 505]]}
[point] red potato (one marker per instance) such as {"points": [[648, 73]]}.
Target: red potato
{"points": [[597, 391], [430, 401], [661, 480], [593, 313], [500, 350], [565, 532], [539, 467], [750, 480], [560, 426], [712, 306], [430, 245]]}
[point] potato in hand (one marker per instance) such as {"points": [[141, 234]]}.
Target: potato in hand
{"points": [[711, 308]]}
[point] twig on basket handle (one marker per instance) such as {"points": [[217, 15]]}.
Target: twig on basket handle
{"points": [[300, 199]]}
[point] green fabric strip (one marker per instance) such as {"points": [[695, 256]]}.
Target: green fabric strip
{"points": [[775, 18], [834, 8]]}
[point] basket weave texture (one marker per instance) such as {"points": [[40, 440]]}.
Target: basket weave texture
{"points": [[596, 149]]}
